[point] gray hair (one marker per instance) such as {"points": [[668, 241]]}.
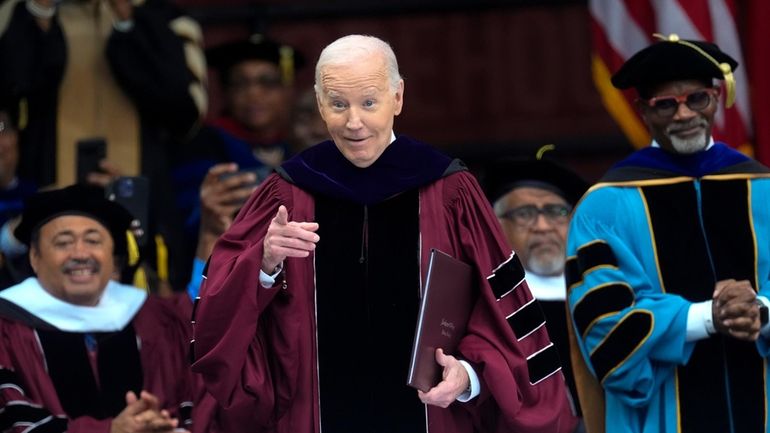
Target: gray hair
{"points": [[348, 49]]}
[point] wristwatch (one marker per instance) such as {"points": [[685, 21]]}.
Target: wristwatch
{"points": [[763, 313]]}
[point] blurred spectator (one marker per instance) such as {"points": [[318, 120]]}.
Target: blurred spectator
{"points": [[254, 130], [257, 77], [69, 353], [128, 71], [308, 127], [14, 265]]}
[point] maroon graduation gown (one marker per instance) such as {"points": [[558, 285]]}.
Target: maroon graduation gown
{"points": [[256, 348], [28, 394]]}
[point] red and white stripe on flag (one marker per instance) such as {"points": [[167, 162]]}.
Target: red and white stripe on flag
{"points": [[622, 27]]}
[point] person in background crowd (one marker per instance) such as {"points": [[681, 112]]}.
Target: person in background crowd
{"points": [[533, 200], [669, 258], [14, 265], [308, 127], [307, 315], [80, 352], [222, 194], [221, 198], [256, 77], [130, 72]]}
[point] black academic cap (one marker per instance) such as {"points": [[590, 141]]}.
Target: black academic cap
{"points": [[501, 176], [78, 199], [674, 59], [257, 47]]}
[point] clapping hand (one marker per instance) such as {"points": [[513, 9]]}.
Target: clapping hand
{"points": [[143, 415]]}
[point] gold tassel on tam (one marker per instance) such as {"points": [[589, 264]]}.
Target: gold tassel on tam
{"points": [[140, 278], [23, 114], [133, 249], [162, 258], [287, 64], [543, 149]]}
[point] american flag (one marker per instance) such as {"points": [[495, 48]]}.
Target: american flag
{"points": [[620, 28]]}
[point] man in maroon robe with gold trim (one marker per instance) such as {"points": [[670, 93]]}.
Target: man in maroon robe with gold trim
{"points": [[307, 315], [79, 352]]}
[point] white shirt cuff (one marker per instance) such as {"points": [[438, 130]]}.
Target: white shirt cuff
{"points": [[267, 281], [475, 384], [700, 321], [123, 26]]}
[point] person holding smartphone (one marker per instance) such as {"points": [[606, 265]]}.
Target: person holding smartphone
{"points": [[223, 192], [253, 130], [128, 72]]}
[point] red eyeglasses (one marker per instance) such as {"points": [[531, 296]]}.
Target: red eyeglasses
{"points": [[697, 100]]}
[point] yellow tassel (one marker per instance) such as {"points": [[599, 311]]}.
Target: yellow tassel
{"points": [[162, 258], [23, 114], [287, 64], [140, 279], [729, 84], [543, 150], [133, 249]]}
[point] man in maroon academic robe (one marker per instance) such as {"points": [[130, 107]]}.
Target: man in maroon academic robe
{"points": [[79, 352], [306, 319]]}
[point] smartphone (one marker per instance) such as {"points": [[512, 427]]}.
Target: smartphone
{"points": [[259, 172], [89, 153], [133, 193]]}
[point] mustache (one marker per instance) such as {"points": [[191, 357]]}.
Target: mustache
{"points": [[692, 123], [73, 264], [535, 241]]}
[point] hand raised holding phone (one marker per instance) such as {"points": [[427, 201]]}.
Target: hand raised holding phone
{"points": [[90, 153], [92, 164], [223, 192]]}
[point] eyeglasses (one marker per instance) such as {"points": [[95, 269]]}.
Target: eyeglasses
{"points": [[525, 216], [667, 105]]}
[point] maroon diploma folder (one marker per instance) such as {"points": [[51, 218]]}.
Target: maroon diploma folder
{"points": [[446, 305]]}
